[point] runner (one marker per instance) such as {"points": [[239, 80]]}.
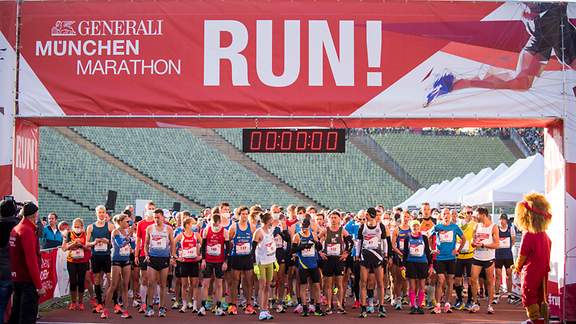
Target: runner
{"points": [[241, 260], [417, 265], [445, 266], [504, 257], [122, 243], [98, 236], [305, 245], [282, 241], [264, 250], [375, 246], [294, 224], [353, 262], [337, 247], [187, 267], [398, 237], [426, 227], [215, 250], [140, 258], [464, 260], [159, 251], [486, 240], [78, 257]]}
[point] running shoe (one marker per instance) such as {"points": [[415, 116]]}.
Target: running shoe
{"points": [[98, 309], [232, 310], [329, 311], [323, 300], [280, 308], [269, 316], [420, 311], [319, 312], [176, 305], [413, 310], [341, 310], [363, 314], [459, 305], [437, 309], [250, 310], [117, 309], [305, 312], [468, 306], [183, 308], [262, 316], [125, 314], [356, 304], [490, 309], [447, 308], [80, 307], [405, 301], [142, 309], [105, 314], [149, 311], [299, 309], [382, 311], [219, 312], [156, 300], [208, 304], [93, 302], [398, 306], [370, 309], [162, 312], [72, 307], [135, 303], [442, 85], [190, 305], [202, 311], [495, 301], [311, 308], [475, 308]]}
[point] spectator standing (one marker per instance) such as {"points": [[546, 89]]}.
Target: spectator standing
{"points": [[25, 267], [52, 236], [8, 221]]}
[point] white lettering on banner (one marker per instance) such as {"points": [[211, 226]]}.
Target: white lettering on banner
{"points": [[320, 40], [214, 53], [89, 47], [120, 28], [291, 53], [128, 67], [26, 153]]}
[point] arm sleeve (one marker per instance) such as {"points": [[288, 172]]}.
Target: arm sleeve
{"points": [[286, 236], [360, 239], [227, 248], [405, 252], [29, 247], [253, 251], [203, 249], [349, 243], [389, 241]]}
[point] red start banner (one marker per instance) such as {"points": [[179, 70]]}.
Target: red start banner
{"points": [[294, 58]]}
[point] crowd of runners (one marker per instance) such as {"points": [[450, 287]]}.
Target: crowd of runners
{"points": [[260, 261]]}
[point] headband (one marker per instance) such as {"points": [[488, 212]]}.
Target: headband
{"points": [[546, 214]]}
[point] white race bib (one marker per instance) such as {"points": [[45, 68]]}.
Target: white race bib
{"points": [[188, 254], [401, 243], [446, 236], [271, 248], [309, 252], [125, 250], [333, 249], [504, 243], [466, 247], [101, 247], [159, 243], [373, 243], [417, 250], [77, 254], [243, 248], [214, 250]]}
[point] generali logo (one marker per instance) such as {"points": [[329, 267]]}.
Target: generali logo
{"points": [[63, 28]]}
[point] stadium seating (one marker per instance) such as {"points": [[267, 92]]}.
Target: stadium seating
{"points": [[349, 181], [76, 174], [64, 208], [185, 163], [432, 159]]}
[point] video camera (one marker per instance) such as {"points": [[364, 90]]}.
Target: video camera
{"points": [[18, 204]]}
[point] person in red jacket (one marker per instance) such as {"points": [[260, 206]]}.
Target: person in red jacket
{"points": [[25, 267]]}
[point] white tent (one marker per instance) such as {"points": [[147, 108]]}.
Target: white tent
{"points": [[450, 195], [439, 195], [523, 176], [483, 177], [428, 194], [414, 196]]}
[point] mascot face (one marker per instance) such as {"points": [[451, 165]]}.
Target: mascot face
{"points": [[533, 213]]}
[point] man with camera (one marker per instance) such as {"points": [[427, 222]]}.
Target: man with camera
{"points": [[25, 267]]}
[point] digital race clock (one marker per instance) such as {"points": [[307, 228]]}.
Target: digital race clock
{"points": [[293, 141]]}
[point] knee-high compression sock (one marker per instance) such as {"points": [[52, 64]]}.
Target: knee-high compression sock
{"points": [[420, 297], [115, 298], [412, 296], [143, 292], [459, 290], [98, 292], [370, 293], [469, 293], [169, 283]]}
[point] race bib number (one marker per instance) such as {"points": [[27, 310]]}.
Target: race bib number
{"points": [[271, 248], [373, 243], [101, 247], [77, 254], [504, 243], [466, 247], [333, 249], [311, 252], [188, 254], [214, 250], [417, 250], [243, 248], [446, 237], [401, 243], [125, 250], [159, 243]]}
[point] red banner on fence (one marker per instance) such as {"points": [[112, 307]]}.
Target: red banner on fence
{"points": [[48, 274]]}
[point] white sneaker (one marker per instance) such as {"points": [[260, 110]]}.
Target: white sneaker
{"points": [[475, 308], [183, 308], [219, 312], [135, 303], [269, 316], [490, 309], [262, 316], [299, 309]]}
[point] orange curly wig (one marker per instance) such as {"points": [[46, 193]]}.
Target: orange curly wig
{"points": [[533, 214]]}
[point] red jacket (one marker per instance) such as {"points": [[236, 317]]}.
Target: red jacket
{"points": [[25, 253]]}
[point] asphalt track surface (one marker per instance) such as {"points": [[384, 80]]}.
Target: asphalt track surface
{"points": [[505, 313]]}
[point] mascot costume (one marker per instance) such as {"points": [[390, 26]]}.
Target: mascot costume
{"points": [[533, 263]]}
